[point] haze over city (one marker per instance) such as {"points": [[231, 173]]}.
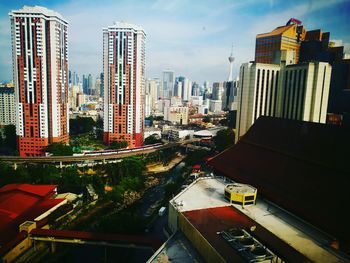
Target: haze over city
{"points": [[193, 38]]}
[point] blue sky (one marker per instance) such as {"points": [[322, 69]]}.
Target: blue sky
{"points": [[193, 38]]}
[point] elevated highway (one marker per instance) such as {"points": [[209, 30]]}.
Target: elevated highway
{"points": [[91, 157]]}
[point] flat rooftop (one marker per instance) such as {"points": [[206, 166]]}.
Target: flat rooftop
{"points": [[177, 249], [209, 222], [289, 237], [202, 193]]}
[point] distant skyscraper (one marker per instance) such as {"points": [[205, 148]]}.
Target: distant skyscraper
{"points": [[168, 84], [178, 88], [101, 85], [152, 88], [195, 89], [40, 73], [85, 84], [90, 85], [7, 106], [124, 83], [270, 46]]}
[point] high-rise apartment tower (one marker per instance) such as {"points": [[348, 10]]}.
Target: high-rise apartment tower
{"points": [[40, 74], [124, 83]]}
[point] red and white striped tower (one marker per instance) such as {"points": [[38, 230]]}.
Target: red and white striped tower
{"points": [[40, 74], [124, 83]]}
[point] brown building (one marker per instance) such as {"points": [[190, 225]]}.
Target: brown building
{"points": [[270, 46]]}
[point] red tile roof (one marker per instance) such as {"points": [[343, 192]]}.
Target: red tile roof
{"points": [[20, 203], [39, 190], [300, 166]]}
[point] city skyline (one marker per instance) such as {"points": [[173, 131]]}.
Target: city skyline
{"points": [[191, 39]]}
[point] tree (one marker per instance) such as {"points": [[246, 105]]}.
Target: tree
{"points": [[81, 125], [70, 181], [196, 157], [206, 119], [151, 140], [118, 145], [224, 139], [59, 149], [10, 136]]}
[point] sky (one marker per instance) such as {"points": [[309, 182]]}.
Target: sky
{"points": [[193, 38]]}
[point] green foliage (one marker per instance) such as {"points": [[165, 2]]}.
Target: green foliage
{"points": [[152, 140], [44, 174], [224, 139], [9, 140], [81, 125], [206, 119], [196, 157], [125, 175], [155, 118], [118, 145], [70, 181], [60, 149]]}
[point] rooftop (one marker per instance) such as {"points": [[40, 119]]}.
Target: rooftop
{"points": [[299, 174], [286, 235], [277, 31], [37, 10], [125, 25], [173, 251], [202, 193], [23, 202], [209, 222]]}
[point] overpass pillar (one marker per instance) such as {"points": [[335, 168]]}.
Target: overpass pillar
{"points": [[15, 166], [53, 247], [61, 166]]}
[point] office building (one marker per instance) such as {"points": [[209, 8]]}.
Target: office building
{"points": [[186, 88], [176, 114], [152, 88], [298, 92], [40, 73], [168, 83], [270, 46], [7, 105], [124, 83]]}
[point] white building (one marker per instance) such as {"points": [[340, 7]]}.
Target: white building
{"points": [[215, 106], [298, 92], [124, 83], [152, 89], [175, 134], [176, 114], [7, 106], [40, 73]]}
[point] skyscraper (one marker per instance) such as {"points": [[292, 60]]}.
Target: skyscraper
{"points": [[124, 83], [298, 92], [168, 84], [270, 47], [40, 73]]}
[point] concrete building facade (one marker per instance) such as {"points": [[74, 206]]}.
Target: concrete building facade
{"points": [[298, 92]]}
